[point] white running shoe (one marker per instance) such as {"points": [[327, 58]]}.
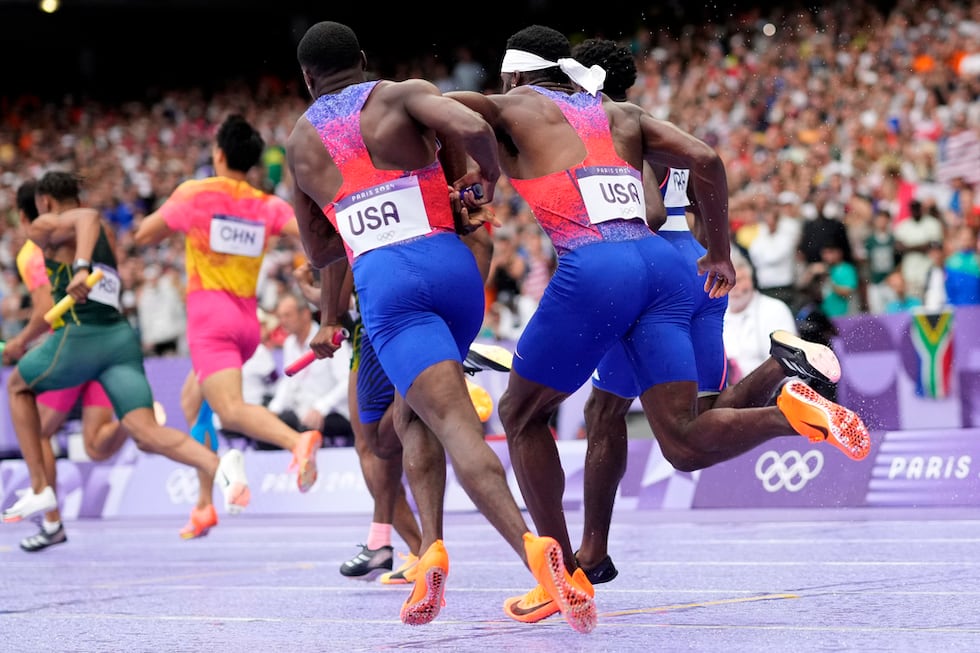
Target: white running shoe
{"points": [[233, 482], [30, 504]]}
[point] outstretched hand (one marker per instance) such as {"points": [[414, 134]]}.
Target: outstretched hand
{"points": [[720, 276]]}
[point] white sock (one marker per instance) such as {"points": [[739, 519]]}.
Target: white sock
{"points": [[50, 527]]}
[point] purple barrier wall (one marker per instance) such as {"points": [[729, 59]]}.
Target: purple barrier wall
{"points": [[925, 451], [879, 363]]}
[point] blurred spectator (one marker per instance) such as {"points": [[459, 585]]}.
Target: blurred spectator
{"points": [[541, 264], [822, 230], [316, 396], [913, 239], [773, 250], [840, 282], [749, 319], [468, 74], [851, 109], [881, 258], [260, 372], [120, 215], [897, 300], [934, 293], [161, 312], [962, 268], [508, 268]]}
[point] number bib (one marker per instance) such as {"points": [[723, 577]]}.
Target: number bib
{"points": [[675, 194], [384, 214], [611, 193], [108, 289], [237, 236]]}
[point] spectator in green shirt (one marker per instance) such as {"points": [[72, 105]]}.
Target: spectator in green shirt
{"points": [[840, 284]]}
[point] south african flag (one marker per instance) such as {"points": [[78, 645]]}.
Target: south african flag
{"points": [[932, 338]]}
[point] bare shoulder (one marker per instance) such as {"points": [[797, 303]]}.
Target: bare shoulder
{"points": [[391, 90], [302, 133], [74, 215], [622, 108]]}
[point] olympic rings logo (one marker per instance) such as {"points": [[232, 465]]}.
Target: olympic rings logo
{"points": [[386, 236], [183, 486], [791, 471]]}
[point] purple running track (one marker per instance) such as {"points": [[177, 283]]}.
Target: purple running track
{"points": [[700, 580]]}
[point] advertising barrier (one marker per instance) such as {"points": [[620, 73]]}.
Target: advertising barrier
{"points": [[918, 389]]}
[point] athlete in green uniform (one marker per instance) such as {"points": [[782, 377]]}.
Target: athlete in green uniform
{"points": [[93, 341]]}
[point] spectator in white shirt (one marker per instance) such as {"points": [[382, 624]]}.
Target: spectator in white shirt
{"points": [[162, 316], [315, 397], [749, 319], [913, 238], [773, 250]]}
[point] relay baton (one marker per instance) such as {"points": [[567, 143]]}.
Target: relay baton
{"points": [[310, 356], [476, 189], [68, 301]]}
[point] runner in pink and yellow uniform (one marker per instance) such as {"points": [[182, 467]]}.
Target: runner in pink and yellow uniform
{"points": [[228, 225]]}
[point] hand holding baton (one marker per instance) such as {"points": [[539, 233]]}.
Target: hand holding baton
{"points": [[476, 189], [303, 361], [68, 301]]}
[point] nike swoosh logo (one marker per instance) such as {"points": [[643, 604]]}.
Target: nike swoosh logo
{"points": [[819, 427], [522, 612]]}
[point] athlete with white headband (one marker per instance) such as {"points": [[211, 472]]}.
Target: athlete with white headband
{"points": [[613, 388], [519, 61], [575, 158]]}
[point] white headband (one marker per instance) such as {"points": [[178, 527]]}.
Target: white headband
{"points": [[519, 61]]}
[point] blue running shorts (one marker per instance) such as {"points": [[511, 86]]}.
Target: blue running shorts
{"points": [[422, 301], [635, 292], [615, 373]]}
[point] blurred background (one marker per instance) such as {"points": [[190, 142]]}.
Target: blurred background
{"points": [[850, 133], [122, 48]]}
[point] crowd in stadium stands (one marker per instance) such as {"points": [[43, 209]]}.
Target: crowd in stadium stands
{"points": [[851, 140]]}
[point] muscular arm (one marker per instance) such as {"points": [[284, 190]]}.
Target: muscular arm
{"points": [[82, 225], [656, 211], [480, 243], [53, 229], [334, 291], [336, 286], [664, 143], [454, 120], [152, 230], [316, 181]]}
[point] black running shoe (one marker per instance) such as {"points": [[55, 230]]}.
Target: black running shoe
{"points": [[802, 358], [369, 563], [603, 572], [44, 539], [487, 357]]}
